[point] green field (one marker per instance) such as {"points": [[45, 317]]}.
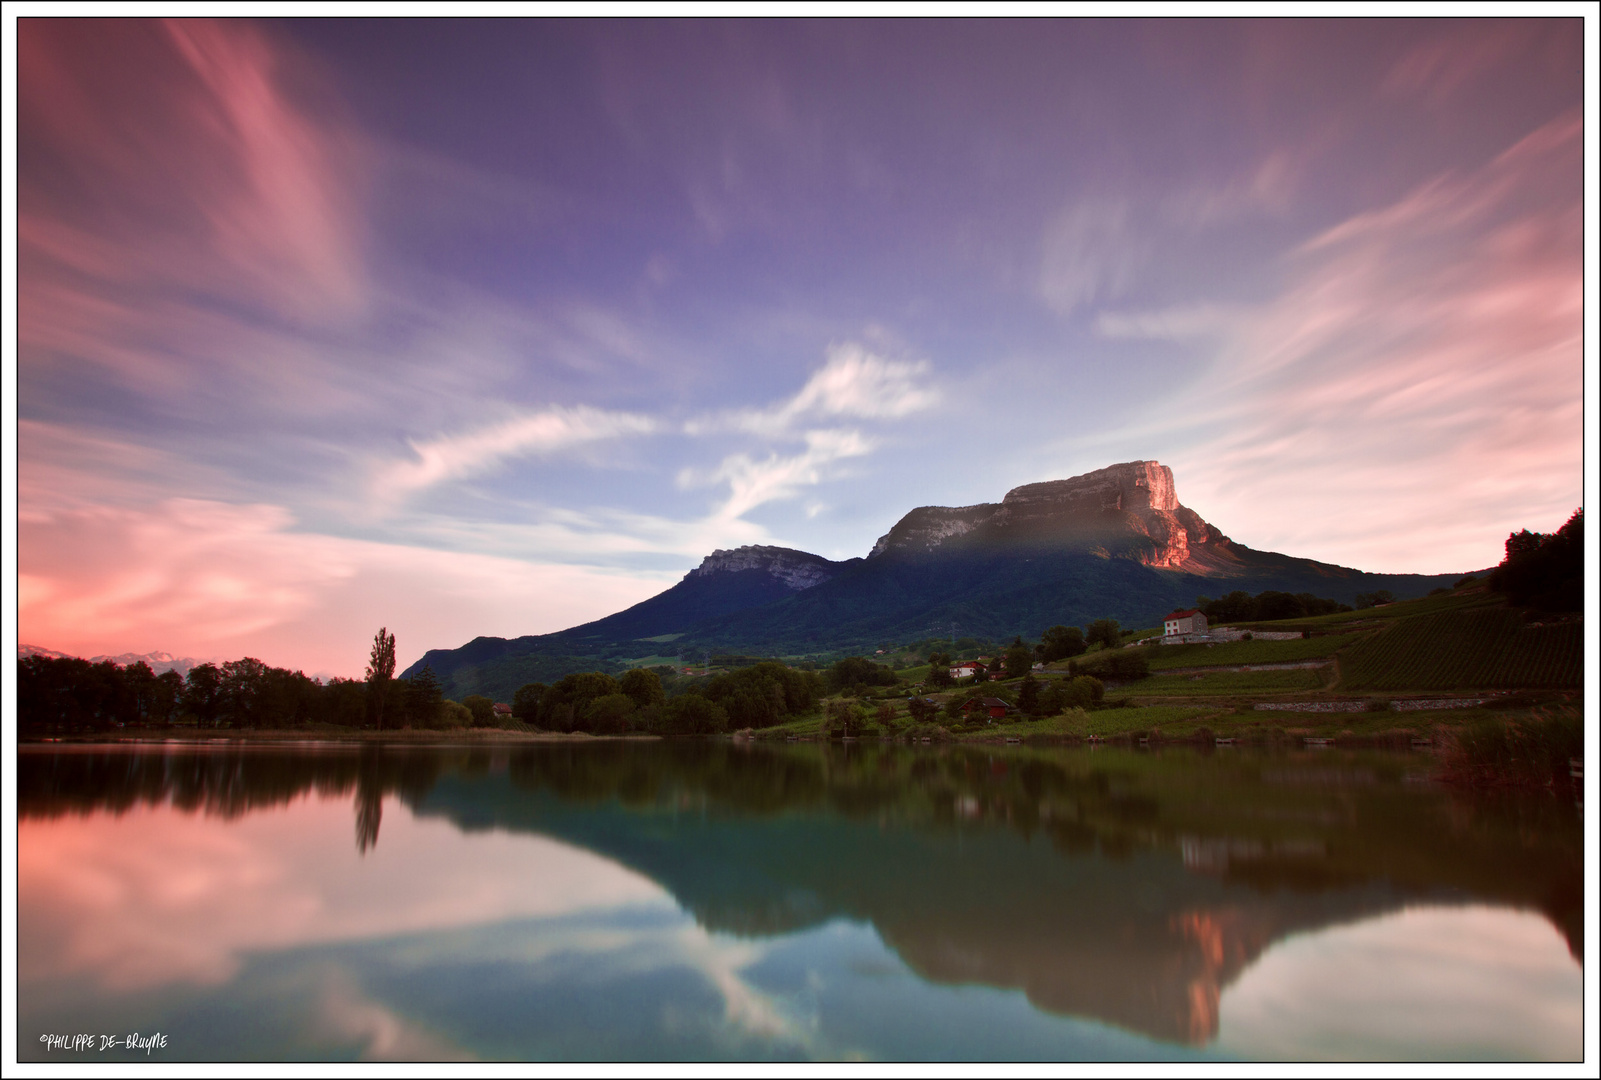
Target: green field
{"points": [[1227, 682], [1482, 648], [1465, 642], [1162, 657]]}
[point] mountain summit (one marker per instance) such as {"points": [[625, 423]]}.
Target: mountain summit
{"points": [[796, 570], [1129, 510]]}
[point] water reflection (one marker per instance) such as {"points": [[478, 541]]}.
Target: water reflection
{"points": [[1138, 890]]}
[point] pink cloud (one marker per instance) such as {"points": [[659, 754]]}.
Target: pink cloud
{"points": [[211, 579], [162, 155], [1438, 69]]}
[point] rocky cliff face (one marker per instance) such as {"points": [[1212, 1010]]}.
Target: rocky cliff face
{"points": [[798, 570], [1129, 509]]}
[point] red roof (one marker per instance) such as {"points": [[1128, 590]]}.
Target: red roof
{"points": [[1183, 614]]}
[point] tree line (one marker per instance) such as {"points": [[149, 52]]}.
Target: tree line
{"points": [[1544, 571], [1270, 605], [757, 696], [65, 695]]}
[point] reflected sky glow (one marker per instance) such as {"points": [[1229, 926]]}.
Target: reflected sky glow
{"points": [[404, 953], [1429, 983], [157, 895]]}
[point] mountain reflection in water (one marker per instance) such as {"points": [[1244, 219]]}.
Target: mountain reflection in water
{"points": [[1124, 886]]}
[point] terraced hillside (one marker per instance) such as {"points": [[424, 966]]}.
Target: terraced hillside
{"points": [[1475, 649], [1467, 640]]}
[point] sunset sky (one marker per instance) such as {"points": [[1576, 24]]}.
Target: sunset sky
{"points": [[496, 327]]}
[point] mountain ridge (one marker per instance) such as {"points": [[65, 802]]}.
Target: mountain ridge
{"points": [[1112, 543], [159, 661]]}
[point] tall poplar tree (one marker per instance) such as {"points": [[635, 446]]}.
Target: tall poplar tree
{"points": [[381, 668]]}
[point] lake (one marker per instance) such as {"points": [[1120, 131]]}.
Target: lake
{"points": [[693, 900]]}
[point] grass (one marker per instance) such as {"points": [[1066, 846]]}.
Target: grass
{"points": [[1487, 648], [1532, 751], [1161, 657], [1233, 719], [1294, 680]]}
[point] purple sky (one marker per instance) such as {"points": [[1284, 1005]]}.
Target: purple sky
{"points": [[498, 326]]}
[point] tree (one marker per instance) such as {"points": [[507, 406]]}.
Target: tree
{"points": [[202, 694], [139, 682], [1060, 643], [1544, 572], [939, 669], [859, 671], [1019, 660], [381, 668], [167, 691], [921, 710], [453, 714], [424, 696], [482, 708], [1104, 632], [1522, 543], [842, 717], [245, 692], [886, 717], [562, 707], [609, 714], [1081, 693], [525, 703], [644, 686], [691, 714], [1028, 696]]}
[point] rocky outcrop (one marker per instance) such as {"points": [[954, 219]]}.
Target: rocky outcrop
{"points": [[1130, 509], [927, 527], [798, 570]]}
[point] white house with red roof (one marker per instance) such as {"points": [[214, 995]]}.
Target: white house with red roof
{"points": [[1183, 624]]}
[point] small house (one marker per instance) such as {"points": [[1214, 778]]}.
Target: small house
{"points": [[1183, 623], [966, 670], [502, 711], [993, 707]]}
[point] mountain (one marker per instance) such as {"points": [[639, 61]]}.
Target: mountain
{"points": [[158, 661], [1114, 543]]}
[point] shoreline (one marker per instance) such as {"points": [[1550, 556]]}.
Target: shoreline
{"points": [[402, 736]]}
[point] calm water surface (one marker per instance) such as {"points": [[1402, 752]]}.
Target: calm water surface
{"points": [[648, 901]]}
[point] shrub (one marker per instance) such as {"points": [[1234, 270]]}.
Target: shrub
{"points": [[452, 714], [1124, 666], [1521, 753]]}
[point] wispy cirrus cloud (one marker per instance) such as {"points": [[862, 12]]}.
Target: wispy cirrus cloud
{"points": [[1442, 67], [203, 173], [545, 432], [1422, 366], [855, 383], [1168, 324], [752, 483], [1090, 251]]}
